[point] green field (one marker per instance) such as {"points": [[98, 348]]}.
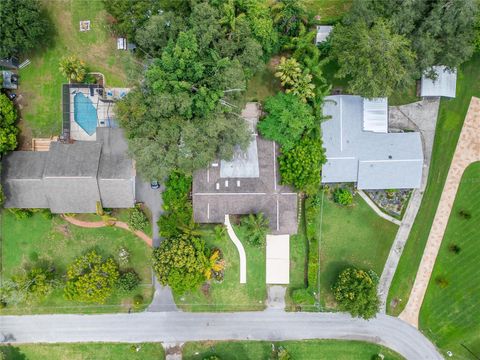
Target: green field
{"points": [[450, 121], [88, 351], [230, 295], [350, 236], [330, 11], [450, 315], [40, 82], [299, 350], [37, 239]]}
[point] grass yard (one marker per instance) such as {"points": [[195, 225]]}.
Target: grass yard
{"points": [[299, 350], [37, 238], [40, 82], [450, 315], [230, 295], [450, 120], [262, 85], [87, 351], [330, 11], [350, 236]]}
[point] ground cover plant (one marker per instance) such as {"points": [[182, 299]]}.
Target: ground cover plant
{"points": [[450, 120], [8, 129], [146, 351], [53, 245], [450, 310], [298, 350], [40, 82]]}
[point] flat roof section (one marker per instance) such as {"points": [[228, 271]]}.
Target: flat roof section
{"points": [[278, 259]]}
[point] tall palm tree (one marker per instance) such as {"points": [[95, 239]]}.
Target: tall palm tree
{"points": [[257, 228], [73, 68]]}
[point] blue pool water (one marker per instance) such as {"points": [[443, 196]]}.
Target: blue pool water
{"points": [[85, 113]]}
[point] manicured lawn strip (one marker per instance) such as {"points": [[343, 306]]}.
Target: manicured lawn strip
{"points": [[24, 241], [450, 120], [230, 295], [330, 11], [40, 82], [97, 351], [351, 236], [299, 350], [450, 316]]}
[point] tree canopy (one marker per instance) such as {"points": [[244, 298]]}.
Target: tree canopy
{"points": [[356, 292], [186, 114], [376, 61], [8, 130], [181, 263], [287, 120], [22, 26]]}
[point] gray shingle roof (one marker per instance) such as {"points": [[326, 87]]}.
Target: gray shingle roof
{"points": [[372, 160], [72, 178]]}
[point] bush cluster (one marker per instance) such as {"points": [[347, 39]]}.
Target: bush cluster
{"points": [[137, 219]]}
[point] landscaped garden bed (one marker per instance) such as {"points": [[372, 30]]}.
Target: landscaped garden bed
{"points": [[37, 240]]}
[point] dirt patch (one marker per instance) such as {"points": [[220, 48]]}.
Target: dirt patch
{"points": [[64, 230], [25, 137]]}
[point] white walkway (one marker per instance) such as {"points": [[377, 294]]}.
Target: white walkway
{"points": [[241, 250]]}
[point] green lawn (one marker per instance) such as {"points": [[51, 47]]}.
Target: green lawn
{"points": [[450, 121], [230, 295], [330, 11], [299, 350], [40, 82], [350, 236], [450, 316], [262, 85], [88, 351], [36, 238]]}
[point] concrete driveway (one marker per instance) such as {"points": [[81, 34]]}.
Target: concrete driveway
{"points": [[152, 198], [178, 327]]}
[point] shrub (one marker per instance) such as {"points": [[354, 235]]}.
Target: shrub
{"points": [[342, 196], [137, 219], [73, 69], [137, 300], [256, 226], [21, 214], [123, 256], [129, 280], [467, 215], [212, 357], [303, 297], [441, 281], [454, 248], [356, 292], [47, 214]]}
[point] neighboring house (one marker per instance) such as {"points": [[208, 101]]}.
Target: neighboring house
{"points": [[444, 84], [322, 33], [10, 80], [360, 149], [72, 178], [247, 184]]}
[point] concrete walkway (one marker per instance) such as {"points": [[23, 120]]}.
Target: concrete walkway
{"points": [[376, 208], [241, 250], [276, 297], [420, 116], [99, 224], [466, 152], [178, 327]]}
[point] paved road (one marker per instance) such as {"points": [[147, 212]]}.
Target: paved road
{"points": [[177, 327], [420, 116]]}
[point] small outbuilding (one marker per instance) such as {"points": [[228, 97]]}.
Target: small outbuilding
{"points": [[10, 80], [322, 33], [443, 84]]}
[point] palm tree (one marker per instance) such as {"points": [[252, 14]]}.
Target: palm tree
{"points": [[256, 226], [303, 87], [288, 71], [215, 264], [73, 68]]}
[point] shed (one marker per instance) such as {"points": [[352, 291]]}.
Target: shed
{"points": [[444, 84], [375, 115], [10, 80], [278, 259], [322, 33]]}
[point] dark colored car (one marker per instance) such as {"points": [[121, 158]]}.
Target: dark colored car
{"points": [[11, 96], [155, 185]]}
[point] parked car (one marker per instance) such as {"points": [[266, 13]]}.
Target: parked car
{"points": [[11, 96], [155, 184]]}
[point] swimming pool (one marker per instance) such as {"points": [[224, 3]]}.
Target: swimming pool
{"points": [[85, 113]]}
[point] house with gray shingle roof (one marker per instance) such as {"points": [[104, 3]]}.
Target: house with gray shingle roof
{"points": [[360, 149], [72, 177]]}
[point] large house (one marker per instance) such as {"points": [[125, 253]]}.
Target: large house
{"points": [[360, 149], [72, 177], [247, 184]]}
